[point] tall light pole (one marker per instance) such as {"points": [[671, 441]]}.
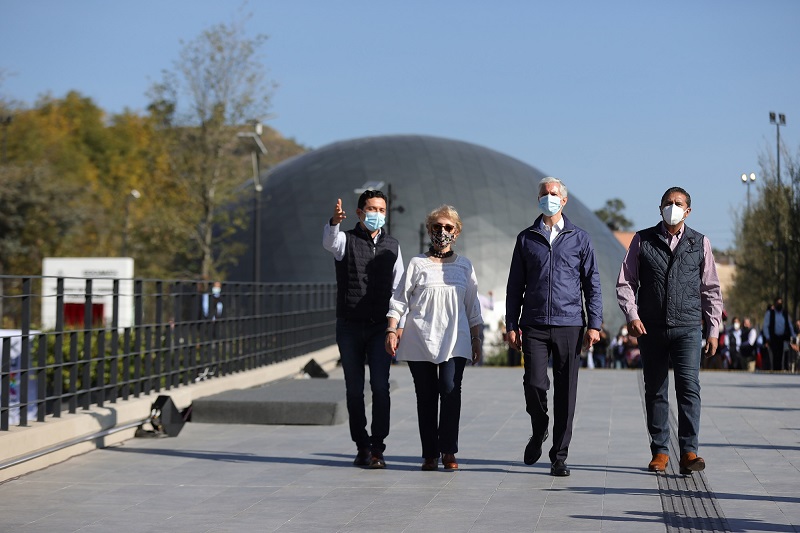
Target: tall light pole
{"points": [[748, 181], [6, 122], [400, 209], [256, 154], [133, 195], [779, 119], [376, 186]]}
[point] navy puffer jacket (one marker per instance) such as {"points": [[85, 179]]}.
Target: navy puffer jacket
{"points": [[546, 283]]}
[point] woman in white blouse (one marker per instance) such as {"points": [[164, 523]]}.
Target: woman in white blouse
{"points": [[438, 295]]}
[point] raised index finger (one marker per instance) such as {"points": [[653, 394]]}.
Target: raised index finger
{"points": [[339, 204]]}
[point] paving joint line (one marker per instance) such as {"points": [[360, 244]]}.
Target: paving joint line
{"points": [[688, 502]]}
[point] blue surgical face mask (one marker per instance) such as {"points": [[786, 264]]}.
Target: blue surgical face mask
{"points": [[549, 204], [374, 220], [216, 291]]}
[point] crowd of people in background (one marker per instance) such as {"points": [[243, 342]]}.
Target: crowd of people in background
{"points": [[743, 345]]}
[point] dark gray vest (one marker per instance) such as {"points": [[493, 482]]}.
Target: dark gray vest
{"points": [[364, 276], [669, 282]]}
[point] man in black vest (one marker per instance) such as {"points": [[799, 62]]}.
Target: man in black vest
{"points": [[670, 267], [368, 268], [778, 331]]}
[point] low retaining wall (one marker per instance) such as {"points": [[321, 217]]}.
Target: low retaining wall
{"points": [[20, 441]]}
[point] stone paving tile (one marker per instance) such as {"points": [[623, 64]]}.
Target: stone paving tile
{"points": [[220, 478]]}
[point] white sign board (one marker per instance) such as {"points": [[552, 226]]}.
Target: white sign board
{"points": [[102, 271]]}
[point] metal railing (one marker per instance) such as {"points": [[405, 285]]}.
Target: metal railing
{"points": [[69, 349]]}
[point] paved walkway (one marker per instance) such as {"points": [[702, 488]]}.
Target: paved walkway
{"points": [[232, 478]]}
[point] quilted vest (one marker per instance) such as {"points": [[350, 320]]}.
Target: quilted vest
{"points": [[364, 276], [669, 281]]}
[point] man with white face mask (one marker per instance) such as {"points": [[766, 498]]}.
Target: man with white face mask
{"points": [[553, 271], [369, 266], [670, 267]]}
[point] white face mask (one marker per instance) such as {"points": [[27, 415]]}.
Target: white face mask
{"points": [[672, 214]]}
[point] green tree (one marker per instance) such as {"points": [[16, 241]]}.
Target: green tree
{"points": [[216, 86], [768, 241], [612, 214], [35, 220]]}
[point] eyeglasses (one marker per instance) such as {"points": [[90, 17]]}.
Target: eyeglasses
{"points": [[447, 227]]}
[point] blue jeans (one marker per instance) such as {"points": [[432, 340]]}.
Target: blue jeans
{"points": [[438, 429], [362, 343], [658, 347]]}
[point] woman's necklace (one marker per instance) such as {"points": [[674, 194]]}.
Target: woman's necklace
{"points": [[440, 255]]}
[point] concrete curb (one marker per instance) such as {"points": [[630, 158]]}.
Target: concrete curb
{"points": [[20, 441]]}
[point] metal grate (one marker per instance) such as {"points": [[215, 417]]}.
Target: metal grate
{"points": [[688, 502]]}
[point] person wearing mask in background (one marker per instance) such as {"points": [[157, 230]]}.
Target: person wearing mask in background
{"points": [[749, 344], [553, 274], [778, 332], [438, 294], [667, 284], [211, 304], [735, 343], [369, 266], [600, 348], [618, 346], [795, 347]]}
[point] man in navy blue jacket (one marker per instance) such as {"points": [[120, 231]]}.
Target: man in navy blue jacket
{"points": [[552, 270]]}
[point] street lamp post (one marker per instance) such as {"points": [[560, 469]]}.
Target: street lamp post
{"points": [[256, 154], [376, 186], [6, 122], [779, 119], [133, 195], [748, 181], [400, 209]]}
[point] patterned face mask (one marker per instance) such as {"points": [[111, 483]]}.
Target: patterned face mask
{"points": [[441, 238]]}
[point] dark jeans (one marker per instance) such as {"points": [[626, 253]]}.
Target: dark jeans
{"points": [[659, 346], [359, 344], [438, 429], [563, 344], [776, 353]]}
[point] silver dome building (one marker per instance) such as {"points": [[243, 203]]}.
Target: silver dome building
{"points": [[495, 195]]}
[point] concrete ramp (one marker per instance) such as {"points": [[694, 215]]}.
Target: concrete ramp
{"points": [[290, 402]]}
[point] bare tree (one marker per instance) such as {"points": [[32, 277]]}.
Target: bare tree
{"points": [[768, 241], [216, 86]]}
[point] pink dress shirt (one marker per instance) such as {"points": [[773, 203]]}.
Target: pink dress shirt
{"points": [[710, 292]]}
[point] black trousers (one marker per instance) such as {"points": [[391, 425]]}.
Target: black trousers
{"points": [[776, 352], [435, 384], [563, 344]]}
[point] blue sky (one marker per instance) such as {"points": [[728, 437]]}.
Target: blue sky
{"points": [[620, 99]]}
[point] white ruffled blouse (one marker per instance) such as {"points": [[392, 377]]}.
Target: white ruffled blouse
{"points": [[441, 302]]}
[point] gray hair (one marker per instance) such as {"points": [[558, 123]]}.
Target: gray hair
{"points": [[549, 179]]}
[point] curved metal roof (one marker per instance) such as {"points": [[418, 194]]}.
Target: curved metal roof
{"points": [[495, 195]]}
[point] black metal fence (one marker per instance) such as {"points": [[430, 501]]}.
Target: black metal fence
{"points": [[104, 340]]}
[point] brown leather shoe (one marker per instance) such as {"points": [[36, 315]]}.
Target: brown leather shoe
{"points": [[449, 461], [377, 461], [430, 463], [691, 463], [659, 462]]}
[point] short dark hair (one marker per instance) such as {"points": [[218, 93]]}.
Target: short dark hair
{"points": [[366, 195], [679, 190]]}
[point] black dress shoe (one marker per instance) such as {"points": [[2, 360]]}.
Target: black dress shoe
{"points": [[534, 448], [363, 457], [559, 469], [377, 461], [430, 464]]}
